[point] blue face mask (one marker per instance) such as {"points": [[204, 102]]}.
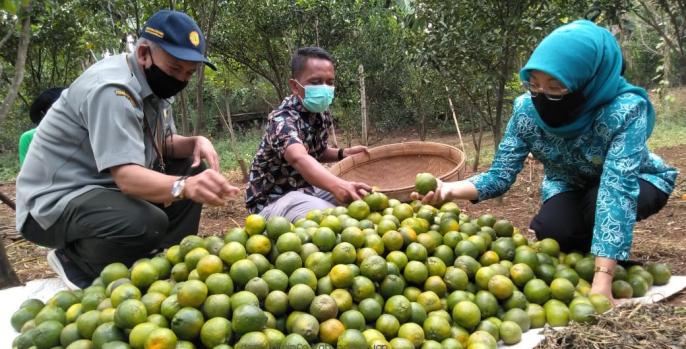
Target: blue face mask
{"points": [[317, 97]]}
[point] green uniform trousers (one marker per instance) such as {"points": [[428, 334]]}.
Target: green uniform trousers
{"points": [[103, 226]]}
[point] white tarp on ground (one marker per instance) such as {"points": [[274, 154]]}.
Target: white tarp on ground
{"points": [[11, 298]]}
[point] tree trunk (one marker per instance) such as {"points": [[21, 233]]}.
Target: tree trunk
{"points": [[422, 125], [477, 147], [457, 125], [363, 106], [681, 78], [667, 73], [500, 95], [207, 28], [232, 142], [334, 141], [7, 201], [234, 145], [19, 65], [7, 276], [184, 113], [500, 101], [200, 107]]}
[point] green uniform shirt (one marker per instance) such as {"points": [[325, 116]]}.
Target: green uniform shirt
{"points": [[24, 142], [96, 124]]}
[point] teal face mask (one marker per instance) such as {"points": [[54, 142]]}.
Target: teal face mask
{"points": [[317, 97]]}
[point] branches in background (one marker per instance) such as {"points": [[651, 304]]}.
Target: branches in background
{"points": [[411, 51], [20, 62]]}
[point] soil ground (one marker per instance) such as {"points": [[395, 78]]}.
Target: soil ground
{"points": [[659, 238]]}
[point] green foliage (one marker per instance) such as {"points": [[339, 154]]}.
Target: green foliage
{"points": [[247, 143], [13, 126], [670, 126], [477, 46], [9, 166], [256, 38], [10, 6], [642, 58], [416, 54], [379, 46]]}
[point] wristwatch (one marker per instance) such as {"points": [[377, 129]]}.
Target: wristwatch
{"points": [[177, 188]]}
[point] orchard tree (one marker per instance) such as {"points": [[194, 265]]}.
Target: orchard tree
{"points": [[481, 45]]}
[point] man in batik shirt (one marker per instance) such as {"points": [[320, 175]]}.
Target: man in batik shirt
{"points": [[286, 177]]}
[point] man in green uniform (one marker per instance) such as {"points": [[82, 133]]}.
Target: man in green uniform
{"points": [[107, 179]]}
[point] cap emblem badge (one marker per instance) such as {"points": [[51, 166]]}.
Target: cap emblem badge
{"points": [[195, 38]]}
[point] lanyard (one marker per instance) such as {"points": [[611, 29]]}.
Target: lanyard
{"points": [[155, 141]]}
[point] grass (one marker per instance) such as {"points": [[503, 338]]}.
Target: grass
{"points": [[246, 144], [670, 127], [668, 133], [9, 166], [486, 157]]}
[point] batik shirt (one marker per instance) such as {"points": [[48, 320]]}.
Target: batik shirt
{"points": [[271, 176], [612, 155]]}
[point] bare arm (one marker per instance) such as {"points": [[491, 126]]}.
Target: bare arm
{"points": [[206, 187], [198, 147], [461, 190], [316, 175], [331, 154], [180, 146], [450, 191]]}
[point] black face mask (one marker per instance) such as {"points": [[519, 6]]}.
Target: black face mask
{"points": [[162, 85], [559, 113]]}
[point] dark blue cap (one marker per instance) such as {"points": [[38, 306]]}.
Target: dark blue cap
{"points": [[178, 34]]}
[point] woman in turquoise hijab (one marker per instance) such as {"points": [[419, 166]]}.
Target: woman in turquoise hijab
{"points": [[588, 127]]}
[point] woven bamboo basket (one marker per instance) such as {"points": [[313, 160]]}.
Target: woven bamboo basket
{"points": [[392, 168]]}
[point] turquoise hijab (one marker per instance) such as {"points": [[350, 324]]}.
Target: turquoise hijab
{"points": [[583, 55]]}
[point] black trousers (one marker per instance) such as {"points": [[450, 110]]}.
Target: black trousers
{"points": [[104, 226], [569, 217]]}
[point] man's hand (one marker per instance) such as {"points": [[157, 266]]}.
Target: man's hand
{"points": [[355, 150], [204, 150], [316, 175], [209, 187], [345, 191]]}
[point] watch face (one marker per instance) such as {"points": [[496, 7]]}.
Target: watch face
{"points": [[177, 188]]}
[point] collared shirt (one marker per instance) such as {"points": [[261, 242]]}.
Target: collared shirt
{"points": [[271, 176], [613, 155], [97, 123]]}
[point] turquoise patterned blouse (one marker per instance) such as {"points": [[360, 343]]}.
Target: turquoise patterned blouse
{"points": [[614, 154]]}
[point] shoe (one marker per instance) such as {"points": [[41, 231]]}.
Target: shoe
{"points": [[68, 271]]}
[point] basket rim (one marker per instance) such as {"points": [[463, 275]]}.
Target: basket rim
{"points": [[362, 158]]}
